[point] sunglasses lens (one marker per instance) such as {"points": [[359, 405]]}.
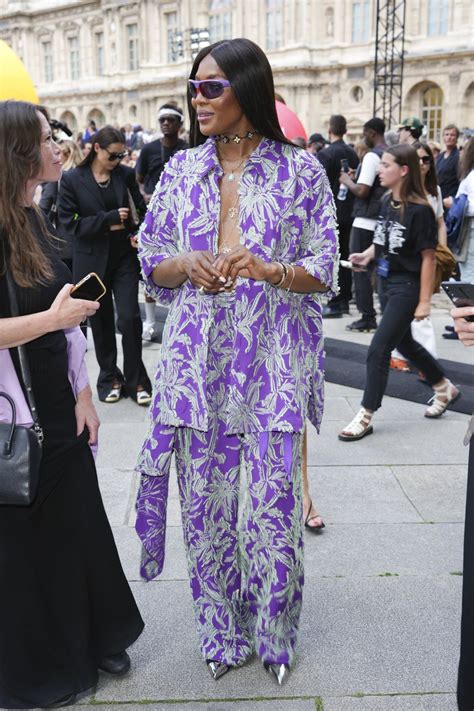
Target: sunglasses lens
{"points": [[192, 89], [212, 89]]}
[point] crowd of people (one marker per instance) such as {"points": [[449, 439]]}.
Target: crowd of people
{"points": [[236, 229]]}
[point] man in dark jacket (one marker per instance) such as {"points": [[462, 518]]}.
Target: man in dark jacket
{"points": [[331, 157]]}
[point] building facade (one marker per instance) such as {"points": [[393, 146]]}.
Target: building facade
{"points": [[118, 60]]}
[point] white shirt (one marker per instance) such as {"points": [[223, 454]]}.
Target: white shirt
{"points": [[367, 175], [466, 187], [436, 203]]}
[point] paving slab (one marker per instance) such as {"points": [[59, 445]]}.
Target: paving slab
{"points": [[353, 551], [393, 442], [379, 635], [116, 486], [355, 494], [438, 493], [274, 704], [427, 702], [119, 445]]}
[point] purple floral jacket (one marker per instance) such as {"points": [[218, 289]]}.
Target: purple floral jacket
{"points": [[286, 214]]}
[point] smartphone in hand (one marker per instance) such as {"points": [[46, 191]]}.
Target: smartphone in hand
{"points": [[461, 294], [352, 265], [90, 288]]}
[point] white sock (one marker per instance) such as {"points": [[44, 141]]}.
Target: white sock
{"points": [[150, 312]]}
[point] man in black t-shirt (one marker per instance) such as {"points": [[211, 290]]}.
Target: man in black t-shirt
{"points": [[155, 155], [153, 158], [330, 158]]}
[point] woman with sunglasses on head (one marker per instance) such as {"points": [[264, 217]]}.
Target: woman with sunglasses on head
{"points": [[240, 240], [96, 202], [404, 246], [66, 609]]}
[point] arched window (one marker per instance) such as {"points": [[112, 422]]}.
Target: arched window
{"points": [[432, 111], [133, 111], [69, 118], [97, 116]]}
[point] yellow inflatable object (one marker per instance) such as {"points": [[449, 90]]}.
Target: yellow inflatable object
{"points": [[15, 82]]}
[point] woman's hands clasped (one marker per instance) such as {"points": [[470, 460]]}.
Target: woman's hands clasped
{"points": [[240, 261], [214, 274], [67, 312]]}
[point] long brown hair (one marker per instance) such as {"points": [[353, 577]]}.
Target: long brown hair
{"points": [[411, 189], [466, 161], [20, 160]]}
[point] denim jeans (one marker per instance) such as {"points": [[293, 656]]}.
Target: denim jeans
{"points": [[359, 241], [399, 295]]}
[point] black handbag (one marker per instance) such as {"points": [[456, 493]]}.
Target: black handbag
{"points": [[20, 447]]}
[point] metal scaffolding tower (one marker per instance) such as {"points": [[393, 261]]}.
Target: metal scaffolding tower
{"points": [[389, 55]]}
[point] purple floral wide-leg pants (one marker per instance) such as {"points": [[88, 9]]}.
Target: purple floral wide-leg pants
{"points": [[244, 548]]}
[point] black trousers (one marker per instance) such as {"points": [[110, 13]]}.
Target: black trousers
{"points": [[399, 295], [121, 279], [345, 275], [466, 662], [359, 241]]}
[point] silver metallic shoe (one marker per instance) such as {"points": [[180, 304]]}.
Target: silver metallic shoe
{"points": [[279, 671], [217, 669]]}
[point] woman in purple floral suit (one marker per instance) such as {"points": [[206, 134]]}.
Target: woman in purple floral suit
{"points": [[240, 241]]}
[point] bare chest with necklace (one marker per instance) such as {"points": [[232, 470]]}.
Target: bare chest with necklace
{"points": [[229, 227]]}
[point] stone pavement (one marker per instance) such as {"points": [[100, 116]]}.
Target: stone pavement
{"points": [[380, 622]]}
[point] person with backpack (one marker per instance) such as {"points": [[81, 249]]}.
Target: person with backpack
{"points": [[367, 191]]}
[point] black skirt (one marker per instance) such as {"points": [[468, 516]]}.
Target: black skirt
{"points": [[64, 600], [465, 690]]}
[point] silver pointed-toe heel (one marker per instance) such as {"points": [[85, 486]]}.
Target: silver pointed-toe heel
{"points": [[217, 669], [281, 672]]}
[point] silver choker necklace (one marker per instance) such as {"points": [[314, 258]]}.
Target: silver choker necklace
{"points": [[104, 184]]}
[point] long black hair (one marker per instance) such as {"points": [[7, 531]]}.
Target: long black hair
{"points": [[247, 68], [105, 137]]}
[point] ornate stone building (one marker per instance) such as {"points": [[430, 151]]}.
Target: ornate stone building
{"points": [[118, 60]]}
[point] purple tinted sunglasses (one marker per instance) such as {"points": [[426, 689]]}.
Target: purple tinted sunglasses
{"points": [[209, 88]]}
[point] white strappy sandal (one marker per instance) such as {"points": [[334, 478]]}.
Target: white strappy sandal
{"points": [[442, 398], [358, 427]]}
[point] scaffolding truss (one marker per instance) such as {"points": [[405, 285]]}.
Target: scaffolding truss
{"points": [[389, 56]]}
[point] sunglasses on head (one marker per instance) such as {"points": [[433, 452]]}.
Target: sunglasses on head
{"points": [[425, 159], [116, 156], [209, 88]]}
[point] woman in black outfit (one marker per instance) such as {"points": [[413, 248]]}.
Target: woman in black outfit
{"points": [[95, 208], [66, 609], [404, 248]]}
